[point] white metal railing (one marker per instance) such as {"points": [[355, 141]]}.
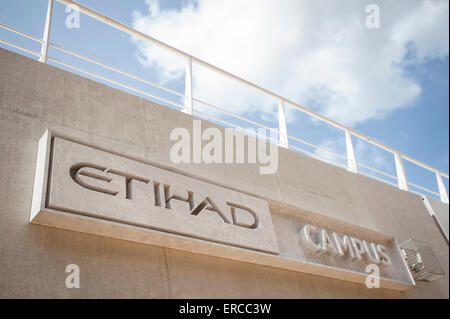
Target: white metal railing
{"points": [[188, 105]]}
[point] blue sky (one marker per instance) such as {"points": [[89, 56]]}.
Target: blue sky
{"points": [[389, 83]]}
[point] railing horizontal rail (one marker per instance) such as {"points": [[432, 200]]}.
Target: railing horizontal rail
{"points": [[114, 69], [378, 171], [235, 115], [21, 33], [20, 48], [424, 189], [317, 147], [417, 193], [322, 158], [412, 160], [114, 82], [378, 178], [234, 125]]}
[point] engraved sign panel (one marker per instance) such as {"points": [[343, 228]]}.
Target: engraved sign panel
{"points": [[86, 188], [332, 245], [87, 181]]}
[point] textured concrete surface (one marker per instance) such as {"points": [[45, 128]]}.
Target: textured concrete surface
{"points": [[35, 97], [439, 211]]}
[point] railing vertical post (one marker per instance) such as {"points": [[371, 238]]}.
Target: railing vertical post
{"points": [[351, 159], [188, 88], [46, 36], [442, 190], [282, 127], [401, 173]]}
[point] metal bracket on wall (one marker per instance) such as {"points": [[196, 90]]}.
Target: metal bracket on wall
{"points": [[421, 260]]}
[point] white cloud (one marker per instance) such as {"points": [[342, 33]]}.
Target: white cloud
{"points": [[317, 53], [426, 28]]}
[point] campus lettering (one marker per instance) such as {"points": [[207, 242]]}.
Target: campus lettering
{"points": [[322, 241]]}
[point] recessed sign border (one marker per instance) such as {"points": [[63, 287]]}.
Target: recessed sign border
{"points": [[40, 214]]}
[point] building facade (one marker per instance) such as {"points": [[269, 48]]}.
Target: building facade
{"points": [[281, 246]]}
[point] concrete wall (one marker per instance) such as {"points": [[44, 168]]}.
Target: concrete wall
{"points": [[35, 97]]}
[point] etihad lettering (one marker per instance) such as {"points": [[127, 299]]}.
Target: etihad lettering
{"points": [[111, 181]]}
